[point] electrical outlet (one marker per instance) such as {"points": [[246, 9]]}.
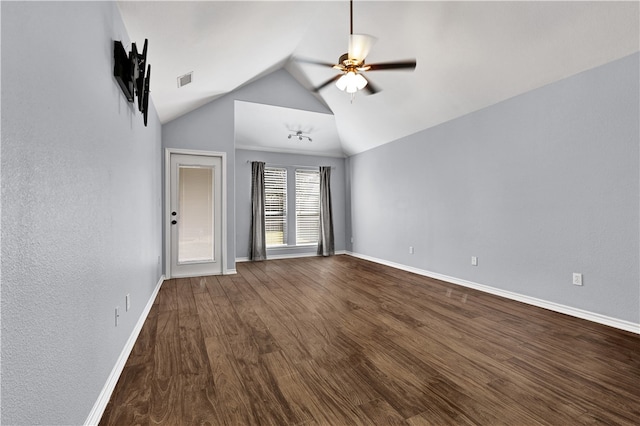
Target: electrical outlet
{"points": [[474, 261], [117, 314], [410, 249], [577, 278], [127, 299]]}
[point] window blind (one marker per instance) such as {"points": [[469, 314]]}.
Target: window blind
{"points": [[275, 194], [307, 206]]}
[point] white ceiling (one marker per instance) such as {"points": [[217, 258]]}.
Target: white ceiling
{"points": [[469, 55], [267, 127]]}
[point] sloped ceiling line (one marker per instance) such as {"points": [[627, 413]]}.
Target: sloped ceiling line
{"points": [[470, 55]]}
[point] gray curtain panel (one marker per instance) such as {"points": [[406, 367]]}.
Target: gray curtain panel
{"points": [[326, 245], [258, 243]]}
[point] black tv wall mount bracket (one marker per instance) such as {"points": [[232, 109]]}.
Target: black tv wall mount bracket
{"points": [[129, 71]]}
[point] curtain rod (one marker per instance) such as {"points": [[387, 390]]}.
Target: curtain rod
{"points": [[288, 165]]}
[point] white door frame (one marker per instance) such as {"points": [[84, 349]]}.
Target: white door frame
{"points": [[167, 203]]}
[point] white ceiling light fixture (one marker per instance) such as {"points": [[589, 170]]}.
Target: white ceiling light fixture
{"points": [[351, 82], [300, 136]]}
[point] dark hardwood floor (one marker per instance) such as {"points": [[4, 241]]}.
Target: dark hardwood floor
{"points": [[341, 341]]}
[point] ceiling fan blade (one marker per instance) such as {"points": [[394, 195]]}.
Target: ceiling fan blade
{"points": [[359, 46], [371, 88], [314, 62], [326, 83], [409, 65]]}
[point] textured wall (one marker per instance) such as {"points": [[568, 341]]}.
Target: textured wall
{"points": [[243, 197], [211, 128], [537, 187], [81, 209]]}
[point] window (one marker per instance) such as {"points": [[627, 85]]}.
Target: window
{"points": [[307, 206], [275, 194], [303, 200]]}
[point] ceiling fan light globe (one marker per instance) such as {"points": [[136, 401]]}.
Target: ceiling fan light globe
{"points": [[341, 83], [359, 46], [360, 81], [351, 82]]}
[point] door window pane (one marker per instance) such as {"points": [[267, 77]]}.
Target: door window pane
{"points": [[195, 218]]}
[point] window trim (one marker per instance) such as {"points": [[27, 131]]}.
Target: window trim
{"points": [[290, 224]]}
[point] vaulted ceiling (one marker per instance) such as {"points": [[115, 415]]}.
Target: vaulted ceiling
{"points": [[469, 55]]}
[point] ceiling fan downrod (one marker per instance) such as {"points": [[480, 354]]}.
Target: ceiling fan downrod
{"points": [[351, 17]]}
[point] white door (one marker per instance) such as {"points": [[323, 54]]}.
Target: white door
{"points": [[195, 215]]}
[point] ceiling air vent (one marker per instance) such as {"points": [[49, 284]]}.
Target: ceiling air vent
{"points": [[183, 80]]}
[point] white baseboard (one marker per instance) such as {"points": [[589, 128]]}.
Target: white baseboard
{"points": [[552, 306], [289, 256], [105, 395]]}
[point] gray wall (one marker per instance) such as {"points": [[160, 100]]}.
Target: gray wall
{"points": [[537, 187], [81, 209], [211, 128], [243, 197]]}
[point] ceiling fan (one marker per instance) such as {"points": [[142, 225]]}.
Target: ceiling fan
{"points": [[352, 64]]}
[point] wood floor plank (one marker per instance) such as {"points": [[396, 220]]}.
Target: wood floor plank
{"points": [[184, 296], [231, 397], [278, 364], [193, 357], [407, 401], [304, 404], [267, 401], [166, 400], [141, 352], [213, 286], [198, 284], [229, 287], [282, 335], [210, 323], [199, 402], [340, 340], [246, 272], [167, 296], [538, 400], [338, 407], [381, 413], [622, 411], [244, 288], [167, 349], [257, 329], [437, 416], [131, 406], [231, 323], [313, 296], [258, 270], [339, 380]]}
